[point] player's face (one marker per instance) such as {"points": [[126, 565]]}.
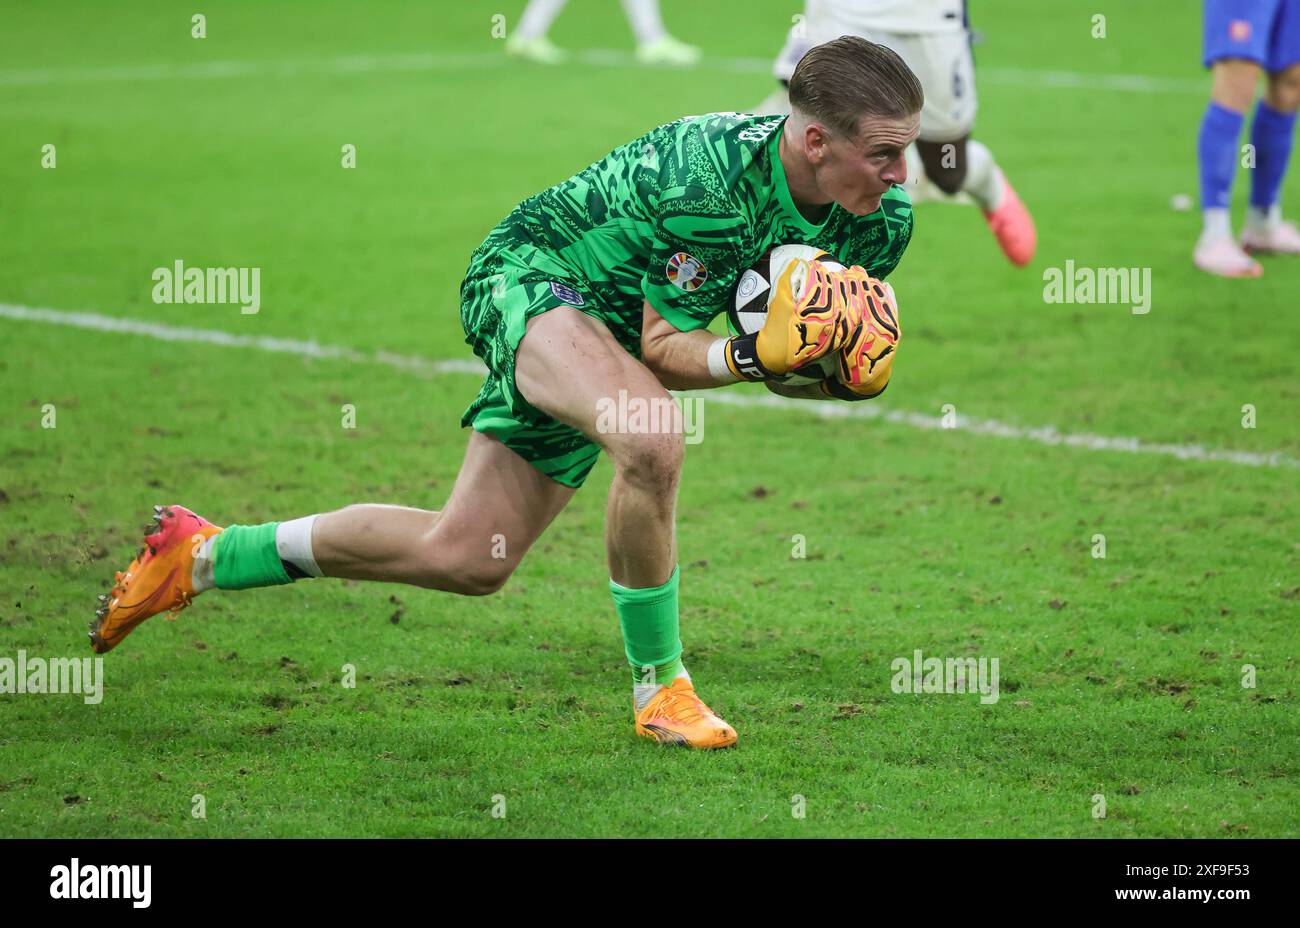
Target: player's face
{"points": [[856, 173]]}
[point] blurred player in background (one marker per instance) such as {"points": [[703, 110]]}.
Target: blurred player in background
{"points": [[1243, 38], [604, 286], [933, 37], [653, 43]]}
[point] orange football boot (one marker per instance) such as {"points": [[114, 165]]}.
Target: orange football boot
{"points": [[1013, 227], [160, 579], [676, 716]]}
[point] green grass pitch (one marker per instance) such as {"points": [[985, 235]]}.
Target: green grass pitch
{"points": [[1120, 676]]}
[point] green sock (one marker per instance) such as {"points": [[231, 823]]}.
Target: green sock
{"points": [[245, 556], [651, 633]]}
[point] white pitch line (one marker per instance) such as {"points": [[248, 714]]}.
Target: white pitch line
{"points": [[1044, 435], [170, 333], [1074, 80], [427, 367], [592, 57]]}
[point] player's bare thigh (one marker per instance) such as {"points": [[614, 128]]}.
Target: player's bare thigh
{"points": [[568, 365], [572, 368], [499, 505], [565, 364]]}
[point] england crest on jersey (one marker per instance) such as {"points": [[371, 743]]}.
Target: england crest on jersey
{"points": [[567, 295]]}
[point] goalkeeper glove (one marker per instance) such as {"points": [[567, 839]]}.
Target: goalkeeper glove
{"points": [[812, 311], [866, 362]]}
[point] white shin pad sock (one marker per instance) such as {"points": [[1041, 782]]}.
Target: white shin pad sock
{"points": [[293, 543], [983, 179]]}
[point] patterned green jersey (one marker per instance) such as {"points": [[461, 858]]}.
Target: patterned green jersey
{"points": [[675, 217]]}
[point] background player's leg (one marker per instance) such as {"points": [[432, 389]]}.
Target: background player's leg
{"points": [[499, 506], [777, 103], [967, 166], [1272, 132], [537, 17], [1230, 96], [945, 163], [528, 40], [963, 166], [653, 43]]}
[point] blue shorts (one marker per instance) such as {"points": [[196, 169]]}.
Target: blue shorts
{"points": [[1264, 31]]}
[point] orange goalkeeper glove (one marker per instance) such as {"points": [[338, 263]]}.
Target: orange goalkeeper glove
{"points": [[813, 310], [866, 362]]}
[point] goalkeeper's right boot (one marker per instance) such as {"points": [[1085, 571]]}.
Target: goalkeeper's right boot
{"points": [[674, 715], [160, 579]]}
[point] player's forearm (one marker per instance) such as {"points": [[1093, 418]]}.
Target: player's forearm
{"points": [[681, 361]]}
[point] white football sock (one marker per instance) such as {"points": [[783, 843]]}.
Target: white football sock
{"points": [[983, 178], [1218, 224], [643, 16], [642, 693], [204, 563], [537, 18], [293, 544], [1262, 220]]}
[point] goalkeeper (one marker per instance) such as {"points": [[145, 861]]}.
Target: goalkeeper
{"points": [[606, 282]]}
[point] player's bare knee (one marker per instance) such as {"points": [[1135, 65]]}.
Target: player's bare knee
{"points": [[652, 461], [484, 579], [1283, 92], [1235, 80], [475, 564], [466, 576]]}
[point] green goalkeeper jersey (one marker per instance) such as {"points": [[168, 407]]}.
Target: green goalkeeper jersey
{"points": [[675, 217]]}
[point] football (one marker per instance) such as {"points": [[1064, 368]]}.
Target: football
{"points": [[748, 309]]}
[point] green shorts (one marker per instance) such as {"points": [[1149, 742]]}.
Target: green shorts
{"points": [[504, 288]]}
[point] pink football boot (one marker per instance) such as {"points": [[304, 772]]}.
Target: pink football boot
{"points": [[1013, 227]]}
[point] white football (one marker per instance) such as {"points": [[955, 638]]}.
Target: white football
{"points": [[748, 309]]}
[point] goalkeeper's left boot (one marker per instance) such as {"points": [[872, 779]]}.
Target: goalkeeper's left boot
{"points": [[1013, 227], [676, 716], [160, 579]]}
